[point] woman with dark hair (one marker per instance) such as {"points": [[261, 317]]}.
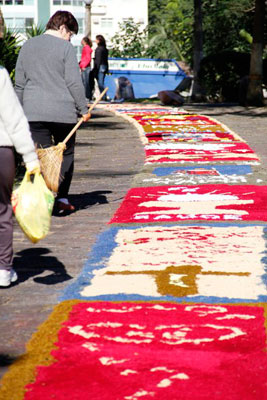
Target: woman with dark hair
{"points": [[85, 65], [100, 62], [49, 86]]}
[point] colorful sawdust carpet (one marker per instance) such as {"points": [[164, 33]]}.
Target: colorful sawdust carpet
{"points": [[171, 303]]}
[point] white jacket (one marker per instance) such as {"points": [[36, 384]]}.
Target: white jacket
{"points": [[14, 127]]}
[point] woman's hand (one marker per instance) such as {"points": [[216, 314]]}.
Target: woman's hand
{"points": [[33, 166], [86, 117]]}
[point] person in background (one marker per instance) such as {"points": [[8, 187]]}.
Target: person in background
{"points": [[85, 65], [100, 62], [49, 86], [14, 132]]}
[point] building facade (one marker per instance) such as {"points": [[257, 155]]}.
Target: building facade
{"points": [[105, 15]]}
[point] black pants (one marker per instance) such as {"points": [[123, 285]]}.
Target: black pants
{"points": [[46, 134], [7, 174]]}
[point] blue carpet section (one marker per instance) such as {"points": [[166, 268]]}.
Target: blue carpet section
{"points": [[101, 251], [221, 169]]}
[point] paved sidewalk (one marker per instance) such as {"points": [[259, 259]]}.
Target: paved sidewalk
{"points": [[108, 155]]}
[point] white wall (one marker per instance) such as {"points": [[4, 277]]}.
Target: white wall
{"points": [[115, 12], [106, 14]]}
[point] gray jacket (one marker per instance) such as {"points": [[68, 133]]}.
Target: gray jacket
{"points": [[48, 81]]}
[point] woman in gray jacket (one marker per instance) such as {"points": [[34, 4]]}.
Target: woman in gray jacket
{"points": [[14, 132], [49, 87]]}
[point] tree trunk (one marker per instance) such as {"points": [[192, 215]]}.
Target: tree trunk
{"points": [[197, 93], [1, 24], [255, 93]]}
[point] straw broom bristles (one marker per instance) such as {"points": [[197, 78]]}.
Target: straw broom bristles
{"points": [[50, 163], [51, 158]]}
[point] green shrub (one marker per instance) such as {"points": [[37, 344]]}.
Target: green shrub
{"points": [[9, 51]]}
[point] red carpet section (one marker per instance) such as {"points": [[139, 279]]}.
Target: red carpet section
{"points": [[152, 351]]}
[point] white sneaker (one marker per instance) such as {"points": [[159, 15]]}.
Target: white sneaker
{"points": [[6, 277], [13, 275]]}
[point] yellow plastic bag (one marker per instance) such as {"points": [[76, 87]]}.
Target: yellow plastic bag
{"points": [[32, 204]]}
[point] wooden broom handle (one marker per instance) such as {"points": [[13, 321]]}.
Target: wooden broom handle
{"points": [[81, 119]]}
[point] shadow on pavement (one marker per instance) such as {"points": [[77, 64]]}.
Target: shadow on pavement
{"points": [[82, 201], [99, 173], [86, 144], [6, 360], [35, 261], [232, 109], [85, 200], [95, 115], [103, 124]]}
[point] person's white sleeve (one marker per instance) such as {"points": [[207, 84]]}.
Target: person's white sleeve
{"points": [[14, 120]]}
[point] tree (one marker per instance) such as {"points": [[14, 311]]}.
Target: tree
{"points": [[227, 26], [224, 25], [161, 45], [254, 94], [197, 93], [130, 41], [9, 51], [134, 41], [156, 9], [170, 29]]}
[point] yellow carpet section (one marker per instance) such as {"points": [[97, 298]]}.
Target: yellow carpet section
{"points": [[38, 353]]}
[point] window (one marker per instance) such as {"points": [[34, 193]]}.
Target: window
{"points": [[9, 23], [12, 2], [78, 50], [106, 23], [18, 25], [81, 25], [29, 22], [68, 3]]}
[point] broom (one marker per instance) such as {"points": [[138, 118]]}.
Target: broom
{"points": [[52, 157]]}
